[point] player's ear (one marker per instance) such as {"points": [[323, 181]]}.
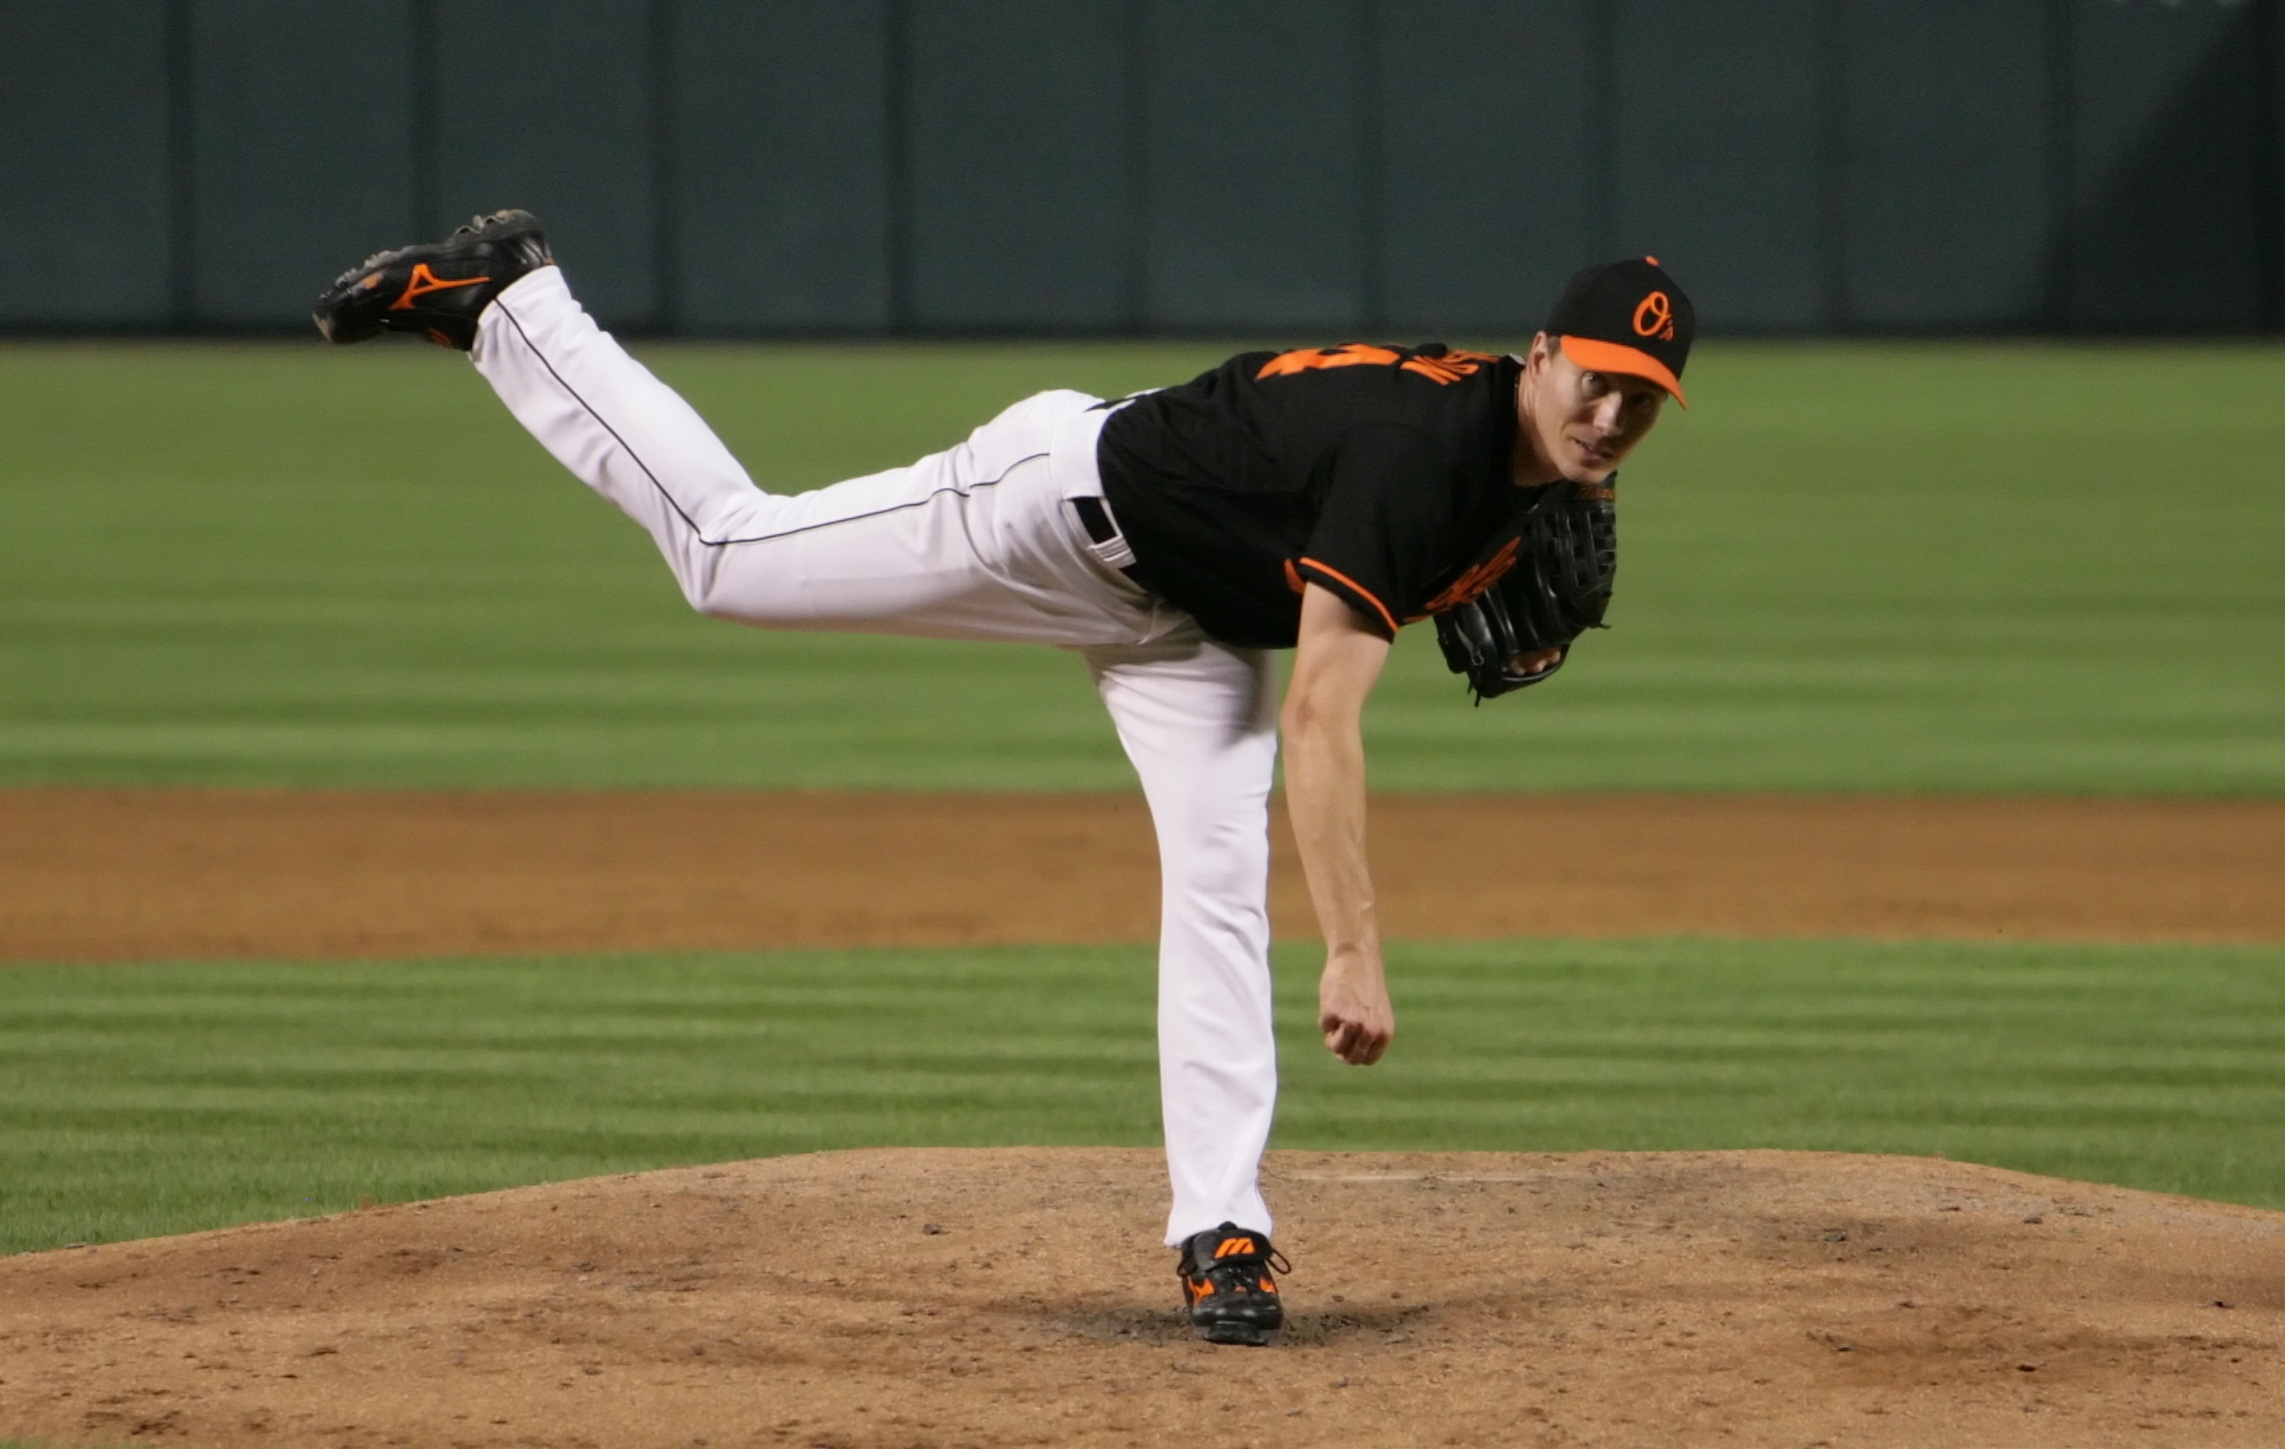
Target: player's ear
{"points": [[1541, 351]]}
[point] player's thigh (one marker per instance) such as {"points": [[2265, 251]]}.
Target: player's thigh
{"points": [[880, 547], [1199, 721]]}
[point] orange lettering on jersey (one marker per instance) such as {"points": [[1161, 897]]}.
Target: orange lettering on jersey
{"points": [[1476, 581], [1451, 367], [1309, 359]]}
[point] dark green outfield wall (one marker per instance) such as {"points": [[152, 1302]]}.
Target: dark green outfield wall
{"points": [[1302, 166]]}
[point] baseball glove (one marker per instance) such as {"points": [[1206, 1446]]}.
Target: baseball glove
{"points": [[1565, 544]]}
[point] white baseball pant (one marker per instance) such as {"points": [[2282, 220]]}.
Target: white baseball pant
{"points": [[977, 542]]}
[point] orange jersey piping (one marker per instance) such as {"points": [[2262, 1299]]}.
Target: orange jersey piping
{"points": [[1362, 592]]}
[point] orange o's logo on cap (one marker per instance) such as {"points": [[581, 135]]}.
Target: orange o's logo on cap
{"points": [[1654, 317]]}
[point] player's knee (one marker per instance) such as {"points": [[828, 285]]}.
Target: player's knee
{"points": [[700, 596], [1219, 868], [698, 576]]}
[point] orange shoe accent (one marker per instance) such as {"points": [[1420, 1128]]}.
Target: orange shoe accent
{"points": [[1199, 1288], [1267, 1285], [424, 282], [1229, 1246]]}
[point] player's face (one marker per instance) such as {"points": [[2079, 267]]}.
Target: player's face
{"points": [[1581, 423]]}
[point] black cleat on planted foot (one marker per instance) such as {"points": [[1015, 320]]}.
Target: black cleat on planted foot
{"points": [[1227, 1287], [436, 291]]}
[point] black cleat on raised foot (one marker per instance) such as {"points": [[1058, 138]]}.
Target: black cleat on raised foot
{"points": [[1227, 1287], [436, 291]]}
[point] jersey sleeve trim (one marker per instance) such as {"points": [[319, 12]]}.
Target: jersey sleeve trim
{"points": [[1350, 589]]}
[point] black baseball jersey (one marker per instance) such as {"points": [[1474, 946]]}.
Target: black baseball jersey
{"points": [[1377, 472]]}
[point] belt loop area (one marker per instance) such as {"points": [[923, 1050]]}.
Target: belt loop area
{"points": [[1096, 518], [1071, 451], [1104, 539], [1078, 478]]}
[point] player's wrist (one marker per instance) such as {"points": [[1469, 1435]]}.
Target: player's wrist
{"points": [[1360, 962]]}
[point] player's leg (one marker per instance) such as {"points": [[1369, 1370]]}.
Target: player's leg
{"points": [[973, 542], [1199, 721], [604, 416]]}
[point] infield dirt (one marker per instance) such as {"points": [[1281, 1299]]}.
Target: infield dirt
{"points": [[97, 875], [883, 1299], [1016, 1297]]}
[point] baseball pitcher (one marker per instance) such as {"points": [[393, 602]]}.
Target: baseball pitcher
{"points": [[1315, 500]]}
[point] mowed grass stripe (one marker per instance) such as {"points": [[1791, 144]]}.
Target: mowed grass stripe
{"points": [[1959, 567], [153, 1099]]}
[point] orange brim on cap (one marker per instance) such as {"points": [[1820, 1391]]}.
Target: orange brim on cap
{"points": [[1597, 356]]}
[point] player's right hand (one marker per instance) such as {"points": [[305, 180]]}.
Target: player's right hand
{"points": [[1353, 1009]]}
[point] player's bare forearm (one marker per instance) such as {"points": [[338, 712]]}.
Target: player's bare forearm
{"points": [[1335, 666]]}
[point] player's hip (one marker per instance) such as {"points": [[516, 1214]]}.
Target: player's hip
{"points": [[980, 541]]}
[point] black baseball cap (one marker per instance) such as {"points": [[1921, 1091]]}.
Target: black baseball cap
{"points": [[1629, 318]]}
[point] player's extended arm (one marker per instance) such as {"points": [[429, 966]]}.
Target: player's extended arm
{"points": [[1335, 666]]}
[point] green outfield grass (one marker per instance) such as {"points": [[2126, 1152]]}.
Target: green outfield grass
{"points": [[1848, 567], [137, 1100]]}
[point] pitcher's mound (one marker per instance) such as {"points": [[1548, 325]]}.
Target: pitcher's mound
{"points": [[1020, 1297]]}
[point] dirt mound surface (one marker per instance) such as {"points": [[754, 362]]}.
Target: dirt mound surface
{"points": [[115, 875], [1006, 1297]]}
